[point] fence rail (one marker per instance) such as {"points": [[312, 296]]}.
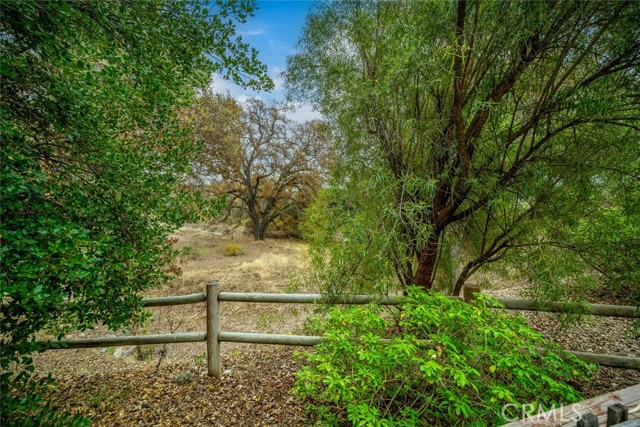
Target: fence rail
{"points": [[594, 309], [174, 300], [213, 336], [128, 340], [309, 298], [508, 303]]}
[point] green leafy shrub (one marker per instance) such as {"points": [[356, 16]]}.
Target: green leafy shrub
{"points": [[233, 249], [23, 404], [448, 360]]}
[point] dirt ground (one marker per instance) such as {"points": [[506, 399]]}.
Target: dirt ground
{"points": [[265, 266], [167, 385], [121, 386]]}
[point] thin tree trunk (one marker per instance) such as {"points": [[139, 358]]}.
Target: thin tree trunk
{"points": [[257, 231], [263, 230], [427, 259], [462, 279], [255, 222]]}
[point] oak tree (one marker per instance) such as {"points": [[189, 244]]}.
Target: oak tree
{"points": [[267, 165]]}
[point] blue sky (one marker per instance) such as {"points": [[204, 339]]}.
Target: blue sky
{"points": [[274, 31]]}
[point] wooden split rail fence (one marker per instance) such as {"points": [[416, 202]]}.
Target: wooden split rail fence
{"points": [[213, 336]]}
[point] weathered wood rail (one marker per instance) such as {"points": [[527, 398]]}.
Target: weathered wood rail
{"points": [[174, 300], [594, 309], [213, 336]]}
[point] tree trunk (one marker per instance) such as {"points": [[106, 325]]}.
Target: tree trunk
{"points": [[462, 279], [427, 259], [467, 271], [260, 228], [260, 219], [258, 232]]}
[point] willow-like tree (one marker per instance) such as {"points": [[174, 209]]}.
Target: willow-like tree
{"points": [[93, 151], [474, 132]]}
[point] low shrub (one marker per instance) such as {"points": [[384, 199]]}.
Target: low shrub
{"points": [[233, 249], [448, 363], [23, 403], [189, 252]]}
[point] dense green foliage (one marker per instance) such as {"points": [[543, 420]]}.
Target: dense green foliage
{"points": [[482, 135], [93, 153], [447, 361]]}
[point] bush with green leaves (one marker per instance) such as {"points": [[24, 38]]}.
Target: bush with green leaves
{"points": [[93, 161], [26, 406], [233, 249], [446, 361]]}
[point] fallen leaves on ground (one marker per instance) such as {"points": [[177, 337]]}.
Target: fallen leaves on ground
{"points": [[253, 391]]}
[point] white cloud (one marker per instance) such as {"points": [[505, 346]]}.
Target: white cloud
{"points": [[303, 113], [276, 75], [298, 112], [220, 85], [243, 99], [249, 33]]}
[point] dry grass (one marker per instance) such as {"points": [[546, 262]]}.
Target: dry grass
{"points": [[265, 266]]}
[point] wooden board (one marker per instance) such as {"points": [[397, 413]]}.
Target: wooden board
{"points": [[567, 415]]}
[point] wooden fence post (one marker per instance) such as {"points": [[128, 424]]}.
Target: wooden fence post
{"points": [[617, 414], [213, 329], [468, 291]]}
